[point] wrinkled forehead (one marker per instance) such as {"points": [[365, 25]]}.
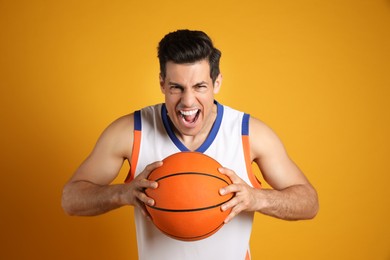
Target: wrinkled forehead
{"points": [[188, 72]]}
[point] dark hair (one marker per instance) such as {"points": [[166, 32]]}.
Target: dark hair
{"points": [[185, 46]]}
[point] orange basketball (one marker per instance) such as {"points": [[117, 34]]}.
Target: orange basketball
{"points": [[187, 200]]}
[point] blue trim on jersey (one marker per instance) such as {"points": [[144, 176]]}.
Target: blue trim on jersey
{"points": [[214, 130], [210, 138], [167, 125], [245, 124], [137, 120]]}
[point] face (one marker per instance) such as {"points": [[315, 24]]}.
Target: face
{"points": [[189, 97]]}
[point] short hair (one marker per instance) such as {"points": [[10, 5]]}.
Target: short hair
{"points": [[187, 46]]}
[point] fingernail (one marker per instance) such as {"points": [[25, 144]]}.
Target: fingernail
{"points": [[222, 191]]}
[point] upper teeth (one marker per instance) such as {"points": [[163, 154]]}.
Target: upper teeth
{"points": [[189, 113]]}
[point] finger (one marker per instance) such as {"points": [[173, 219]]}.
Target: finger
{"points": [[229, 217], [145, 184], [142, 197], [231, 174], [234, 212], [143, 210], [230, 204], [142, 181], [149, 168], [232, 188]]}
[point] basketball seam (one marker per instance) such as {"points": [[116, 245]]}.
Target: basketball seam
{"points": [[190, 210], [191, 173], [196, 209]]}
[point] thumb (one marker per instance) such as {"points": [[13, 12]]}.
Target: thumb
{"points": [[149, 168]]}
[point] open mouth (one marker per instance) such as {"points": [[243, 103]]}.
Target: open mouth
{"points": [[189, 116]]}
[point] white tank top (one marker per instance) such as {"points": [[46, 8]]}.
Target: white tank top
{"points": [[228, 143]]}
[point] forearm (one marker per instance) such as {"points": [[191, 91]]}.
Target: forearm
{"points": [[83, 198], [293, 203]]}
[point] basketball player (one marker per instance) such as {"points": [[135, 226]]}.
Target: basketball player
{"points": [[191, 119]]}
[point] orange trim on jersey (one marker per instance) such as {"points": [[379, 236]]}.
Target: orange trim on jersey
{"points": [[134, 155], [248, 255], [247, 155]]}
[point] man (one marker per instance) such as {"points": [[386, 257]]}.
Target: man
{"points": [[191, 120]]}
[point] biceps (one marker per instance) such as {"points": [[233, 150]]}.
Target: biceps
{"points": [[99, 169], [281, 172], [269, 153], [104, 163]]}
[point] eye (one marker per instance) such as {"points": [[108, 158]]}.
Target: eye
{"points": [[176, 89], [201, 88]]}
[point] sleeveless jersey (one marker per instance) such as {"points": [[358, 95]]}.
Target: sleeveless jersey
{"points": [[228, 143]]}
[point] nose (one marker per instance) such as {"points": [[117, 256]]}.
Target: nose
{"points": [[188, 98]]}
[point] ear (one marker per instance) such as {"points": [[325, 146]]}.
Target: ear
{"points": [[162, 84], [217, 84]]}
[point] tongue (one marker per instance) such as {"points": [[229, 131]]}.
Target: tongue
{"points": [[190, 119]]}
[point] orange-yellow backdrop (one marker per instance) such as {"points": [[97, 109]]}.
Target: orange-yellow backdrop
{"points": [[318, 72]]}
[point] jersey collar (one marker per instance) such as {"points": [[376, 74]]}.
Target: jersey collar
{"points": [[210, 138]]}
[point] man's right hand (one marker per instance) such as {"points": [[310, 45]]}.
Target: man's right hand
{"points": [[138, 186]]}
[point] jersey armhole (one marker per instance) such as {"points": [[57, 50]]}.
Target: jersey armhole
{"points": [[136, 146], [247, 151]]}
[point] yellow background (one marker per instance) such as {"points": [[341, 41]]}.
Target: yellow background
{"points": [[318, 72]]}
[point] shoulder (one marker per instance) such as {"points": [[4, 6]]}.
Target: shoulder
{"points": [[120, 126], [118, 136], [112, 147], [263, 139], [259, 129]]}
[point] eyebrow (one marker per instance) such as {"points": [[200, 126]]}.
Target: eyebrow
{"points": [[170, 83]]}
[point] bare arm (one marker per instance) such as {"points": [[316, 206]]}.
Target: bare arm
{"points": [[90, 192], [292, 196]]}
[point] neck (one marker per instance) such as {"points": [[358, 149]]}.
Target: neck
{"points": [[193, 142]]}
